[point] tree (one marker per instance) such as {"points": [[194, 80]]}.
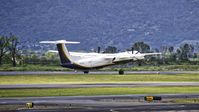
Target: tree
{"points": [[141, 47], [4, 42], [171, 49], [110, 49], [169, 54], [185, 52], [13, 42]]}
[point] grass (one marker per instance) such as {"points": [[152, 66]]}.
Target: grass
{"points": [[196, 100], [37, 67], [96, 91], [81, 78], [159, 68], [30, 67]]}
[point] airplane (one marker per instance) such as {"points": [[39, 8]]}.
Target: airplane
{"points": [[88, 61]]}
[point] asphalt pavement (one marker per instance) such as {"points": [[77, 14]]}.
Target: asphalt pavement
{"points": [[103, 103], [93, 72]]}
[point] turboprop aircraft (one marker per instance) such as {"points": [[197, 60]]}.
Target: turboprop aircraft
{"points": [[89, 61]]}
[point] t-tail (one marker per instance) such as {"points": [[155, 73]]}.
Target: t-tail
{"points": [[65, 56]]}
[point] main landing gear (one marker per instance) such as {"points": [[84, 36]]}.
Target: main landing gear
{"points": [[86, 72], [121, 72]]}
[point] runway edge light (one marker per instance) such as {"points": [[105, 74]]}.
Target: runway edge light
{"points": [[29, 105], [152, 98]]}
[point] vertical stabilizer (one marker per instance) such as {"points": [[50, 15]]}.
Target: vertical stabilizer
{"points": [[65, 56], [63, 53]]}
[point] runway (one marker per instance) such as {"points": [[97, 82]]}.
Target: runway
{"points": [[134, 108], [102, 103], [105, 103], [136, 84], [93, 72]]}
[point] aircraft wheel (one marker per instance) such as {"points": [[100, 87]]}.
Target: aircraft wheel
{"points": [[121, 72], [86, 72]]}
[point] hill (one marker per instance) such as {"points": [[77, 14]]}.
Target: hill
{"points": [[101, 22]]}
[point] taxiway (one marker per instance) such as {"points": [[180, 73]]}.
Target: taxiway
{"points": [[93, 72]]}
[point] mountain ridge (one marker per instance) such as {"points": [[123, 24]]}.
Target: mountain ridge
{"points": [[101, 22]]}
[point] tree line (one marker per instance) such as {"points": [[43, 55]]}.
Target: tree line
{"points": [[170, 55], [10, 53]]}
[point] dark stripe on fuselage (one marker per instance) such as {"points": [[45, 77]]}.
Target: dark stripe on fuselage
{"points": [[75, 66]]}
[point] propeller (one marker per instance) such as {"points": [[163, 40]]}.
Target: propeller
{"points": [[98, 49], [134, 52], [132, 49]]}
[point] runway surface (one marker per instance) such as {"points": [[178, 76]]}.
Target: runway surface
{"points": [[93, 72], [136, 84], [134, 108], [112, 103], [103, 103]]}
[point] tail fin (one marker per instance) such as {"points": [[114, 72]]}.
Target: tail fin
{"points": [[65, 57]]}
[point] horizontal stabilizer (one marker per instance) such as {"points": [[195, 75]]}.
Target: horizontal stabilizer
{"points": [[59, 42]]}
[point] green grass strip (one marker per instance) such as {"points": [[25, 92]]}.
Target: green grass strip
{"points": [[190, 100], [37, 67], [96, 91], [105, 78], [30, 67]]}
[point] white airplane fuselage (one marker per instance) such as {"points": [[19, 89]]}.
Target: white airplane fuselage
{"points": [[97, 60], [86, 61]]}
